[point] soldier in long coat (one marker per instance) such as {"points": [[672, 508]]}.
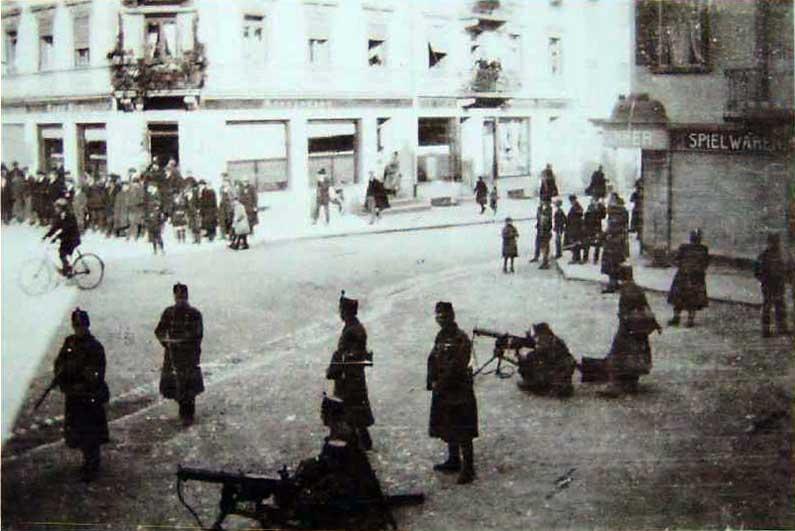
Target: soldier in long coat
{"points": [[772, 270], [592, 229], [574, 229], [614, 252], [80, 374], [195, 213], [547, 370], [509, 247], [544, 235], [454, 410], [630, 354], [121, 213], [209, 210], [598, 187], [180, 331], [689, 287], [347, 370]]}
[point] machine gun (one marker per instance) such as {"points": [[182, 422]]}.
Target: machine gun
{"points": [[503, 342], [284, 509]]}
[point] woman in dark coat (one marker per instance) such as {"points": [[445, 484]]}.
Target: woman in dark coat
{"points": [[481, 194], [689, 288], [630, 354], [454, 410], [509, 247], [80, 373]]}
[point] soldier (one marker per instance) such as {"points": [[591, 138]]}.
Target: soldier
{"points": [[770, 269], [454, 410], [494, 197], [80, 374], [180, 331], [209, 209], [155, 217], [615, 249], [559, 227], [194, 213], [689, 287], [225, 209], [136, 206], [574, 221], [630, 354], [509, 247], [481, 194], [347, 371], [248, 196], [545, 232], [64, 228], [598, 186], [549, 187], [548, 369]]}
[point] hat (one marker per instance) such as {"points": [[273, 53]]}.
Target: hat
{"points": [[80, 318], [180, 289], [202, 181], [322, 171], [541, 328], [509, 219], [444, 308], [349, 306]]}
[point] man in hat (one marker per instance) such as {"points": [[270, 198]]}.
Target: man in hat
{"points": [[630, 353], [64, 228], [598, 187], [347, 370], [547, 369], [180, 331], [322, 196], [454, 411], [208, 206], [574, 229], [549, 187], [80, 374], [559, 227], [689, 287], [592, 229], [771, 269]]}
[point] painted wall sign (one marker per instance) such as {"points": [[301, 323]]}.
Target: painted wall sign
{"points": [[636, 138], [730, 141]]}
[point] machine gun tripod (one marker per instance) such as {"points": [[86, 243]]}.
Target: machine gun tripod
{"points": [[503, 342]]}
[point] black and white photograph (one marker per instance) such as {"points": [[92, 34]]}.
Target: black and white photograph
{"points": [[429, 265]]}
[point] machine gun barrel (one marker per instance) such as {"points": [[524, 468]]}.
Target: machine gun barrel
{"points": [[504, 340]]}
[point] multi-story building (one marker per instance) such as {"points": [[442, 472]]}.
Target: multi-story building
{"points": [[276, 89], [709, 125]]}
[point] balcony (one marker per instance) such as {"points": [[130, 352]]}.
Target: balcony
{"points": [[759, 97], [490, 84]]}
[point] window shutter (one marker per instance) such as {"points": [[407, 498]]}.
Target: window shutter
{"points": [[81, 35], [133, 26], [185, 30], [45, 18]]}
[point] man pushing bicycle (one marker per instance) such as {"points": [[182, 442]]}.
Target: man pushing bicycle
{"points": [[64, 228]]}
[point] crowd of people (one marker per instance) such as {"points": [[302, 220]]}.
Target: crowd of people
{"points": [[136, 205]]}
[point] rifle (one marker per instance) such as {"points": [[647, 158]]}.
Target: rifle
{"points": [[503, 341], [53, 384]]}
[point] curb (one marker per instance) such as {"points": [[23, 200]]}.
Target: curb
{"points": [[657, 290], [388, 231]]}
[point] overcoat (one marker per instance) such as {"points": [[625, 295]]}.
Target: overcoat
{"points": [[454, 410], [689, 287], [181, 375], [509, 237], [80, 369], [350, 383], [630, 353], [574, 225]]}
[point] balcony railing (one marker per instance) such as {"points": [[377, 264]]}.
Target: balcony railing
{"points": [[752, 95]]}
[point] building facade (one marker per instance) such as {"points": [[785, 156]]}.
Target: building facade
{"points": [[274, 90], [709, 124]]}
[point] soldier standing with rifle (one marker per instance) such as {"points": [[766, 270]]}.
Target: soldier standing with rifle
{"points": [[180, 331], [454, 411], [80, 375], [347, 370]]}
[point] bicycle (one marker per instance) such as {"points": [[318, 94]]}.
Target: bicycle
{"points": [[41, 275]]}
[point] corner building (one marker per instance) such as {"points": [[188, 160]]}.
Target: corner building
{"points": [[274, 90]]}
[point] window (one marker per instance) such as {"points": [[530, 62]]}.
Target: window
{"points": [[46, 42], [161, 36], [81, 39], [513, 60], [555, 60], [437, 52], [318, 18], [319, 51], [376, 52], [376, 40], [254, 38], [672, 37], [10, 38]]}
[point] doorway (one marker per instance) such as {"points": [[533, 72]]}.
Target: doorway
{"points": [[164, 142], [490, 149]]}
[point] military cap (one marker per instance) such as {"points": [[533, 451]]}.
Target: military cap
{"points": [[80, 318], [180, 289], [541, 328], [347, 305], [509, 219], [445, 308]]}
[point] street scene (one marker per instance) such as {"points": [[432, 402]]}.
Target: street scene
{"points": [[282, 264]]}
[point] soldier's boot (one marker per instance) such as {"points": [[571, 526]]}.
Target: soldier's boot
{"points": [[187, 412], [453, 463], [691, 319], [467, 474], [91, 462], [365, 441]]}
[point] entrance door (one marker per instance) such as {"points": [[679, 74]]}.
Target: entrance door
{"points": [[490, 149], [50, 147], [164, 142]]}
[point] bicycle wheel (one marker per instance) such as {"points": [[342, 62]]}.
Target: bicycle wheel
{"points": [[36, 276], [88, 271]]}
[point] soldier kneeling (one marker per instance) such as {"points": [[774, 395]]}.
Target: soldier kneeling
{"points": [[548, 369]]}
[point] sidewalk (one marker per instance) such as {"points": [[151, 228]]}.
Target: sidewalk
{"points": [[724, 284]]}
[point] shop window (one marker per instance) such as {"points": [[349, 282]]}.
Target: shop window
{"points": [[254, 38], [50, 147], [555, 56], [81, 40], [672, 37], [92, 149], [161, 36]]}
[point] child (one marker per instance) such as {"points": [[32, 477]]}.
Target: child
{"points": [[509, 247], [558, 226], [493, 196]]}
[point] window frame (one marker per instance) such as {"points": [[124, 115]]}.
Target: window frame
{"points": [[160, 19], [555, 55], [87, 47], [254, 21], [649, 49]]}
